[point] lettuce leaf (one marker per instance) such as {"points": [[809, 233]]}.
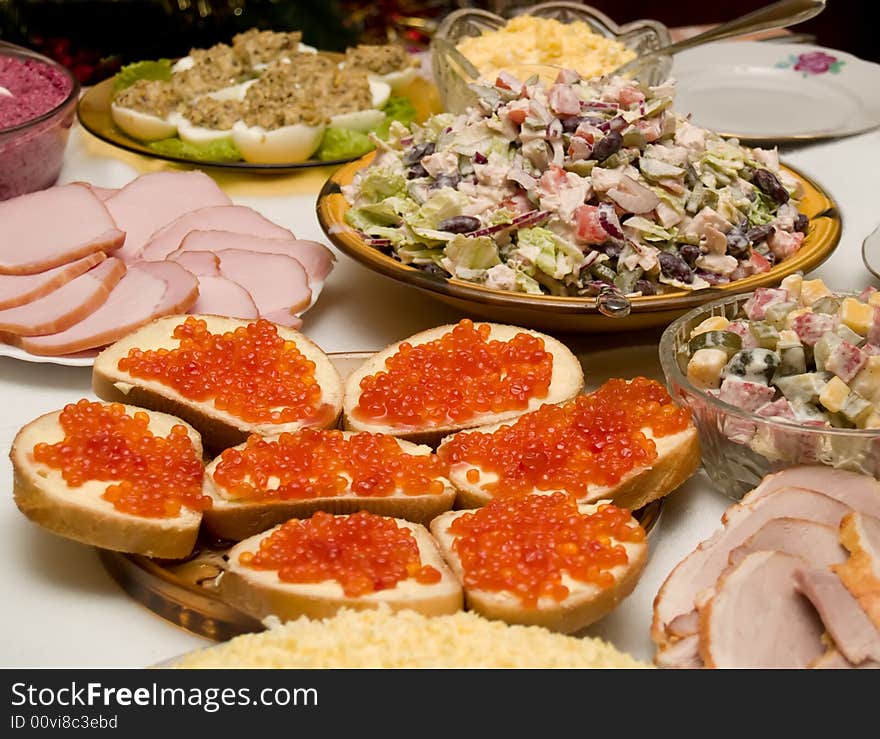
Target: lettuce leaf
{"points": [[398, 109], [159, 69], [343, 143], [216, 151]]}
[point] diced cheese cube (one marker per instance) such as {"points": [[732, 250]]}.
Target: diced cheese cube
{"points": [[704, 367], [834, 394], [867, 382], [792, 284], [791, 317], [812, 290], [715, 323], [856, 408], [874, 298], [857, 315], [787, 339]]}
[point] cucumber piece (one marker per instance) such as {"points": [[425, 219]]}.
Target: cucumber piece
{"points": [[804, 388], [766, 334], [829, 305], [726, 341], [793, 361], [754, 365], [603, 272], [824, 348], [776, 314]]}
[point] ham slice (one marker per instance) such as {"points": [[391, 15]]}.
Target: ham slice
{"points": [[757, 618], [813, 542], [237, 219], [861, 572], [152, 201], [148, 290], [316, 258], [681, 655], [20, 289], [65, 306], [218, 295], [853, 633], [45, 229], [700, 570], [859, 492], [277, 299]]}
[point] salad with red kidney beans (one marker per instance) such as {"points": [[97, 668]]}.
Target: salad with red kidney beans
{"points": [[568, 188]]}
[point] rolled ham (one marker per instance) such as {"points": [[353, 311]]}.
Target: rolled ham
{"points": [[148, 290], [237, 219], [154, 200], [316, 258], [20, 289], [66, 306], [52, 227]]}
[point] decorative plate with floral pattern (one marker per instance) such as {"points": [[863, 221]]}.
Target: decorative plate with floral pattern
{"points": [[771, 93]]}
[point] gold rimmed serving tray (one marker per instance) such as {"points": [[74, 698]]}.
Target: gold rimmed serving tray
{"points": [[554, 313]]}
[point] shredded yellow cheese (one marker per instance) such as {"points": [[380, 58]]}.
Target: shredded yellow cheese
{"points": [[381, 638], [528, 40]]}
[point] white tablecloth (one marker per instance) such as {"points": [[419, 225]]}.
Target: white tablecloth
{"points": [[62, 609]]}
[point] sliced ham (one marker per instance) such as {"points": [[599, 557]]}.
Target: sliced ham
{"points": [[681, 655], [237, 219], [316, 258], [700, 570], [154, 200], [218, 295], [853, 633], [20, 289], [813, 542], [834, 660], [45, 229], [65, 306], [148, 290], [758, 619], [277, 283], [860, 574], [859, 492], [103, 193]]}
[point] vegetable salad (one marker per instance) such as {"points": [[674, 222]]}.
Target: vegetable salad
{"points": [[566, 189]]}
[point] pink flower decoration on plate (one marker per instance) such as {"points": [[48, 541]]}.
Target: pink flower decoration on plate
{"points": [[813, 62]]}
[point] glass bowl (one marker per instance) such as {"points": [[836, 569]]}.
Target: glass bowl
{"points": [[452, 71], [739, 447], [31, 153]]}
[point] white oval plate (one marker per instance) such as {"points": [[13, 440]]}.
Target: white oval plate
{"points": [[766, 93], [83, 359]]}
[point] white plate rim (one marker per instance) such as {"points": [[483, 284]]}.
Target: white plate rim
{"points": [[767, 55]]}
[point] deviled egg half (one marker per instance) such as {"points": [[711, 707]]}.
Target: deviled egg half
{"points": [[388, 64], [207, 120], [145, 110], [355, 100]]}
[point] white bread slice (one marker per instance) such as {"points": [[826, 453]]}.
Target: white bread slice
{"points": [[567, 381], [236, 520], [261, 593], [678, 457], [585, 604], [81, 513], [219, 429]]}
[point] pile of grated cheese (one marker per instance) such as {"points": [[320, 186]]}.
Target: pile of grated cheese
{"points": [[528, 40], [381, 638]]}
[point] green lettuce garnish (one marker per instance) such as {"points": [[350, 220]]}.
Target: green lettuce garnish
{"points": [[216, 151], [159, 69], [343, 143]]}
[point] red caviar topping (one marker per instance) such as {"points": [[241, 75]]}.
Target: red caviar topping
{"points": [[320, 464], [251, 373], [525, 544], [363, 552], [152, 476], [456, 377], [595, 439]]}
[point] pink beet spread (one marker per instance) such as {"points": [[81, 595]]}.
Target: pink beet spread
{"points": [[36, 89]]}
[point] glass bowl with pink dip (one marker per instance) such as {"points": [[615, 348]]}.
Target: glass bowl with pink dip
{"points": [[37, 108]]}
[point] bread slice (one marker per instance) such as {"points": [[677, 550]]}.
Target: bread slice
{"points": [[585, 604], [567, 381], [261, 593], [238, 519], [678, 457], [219, 429], [81, 513]]}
